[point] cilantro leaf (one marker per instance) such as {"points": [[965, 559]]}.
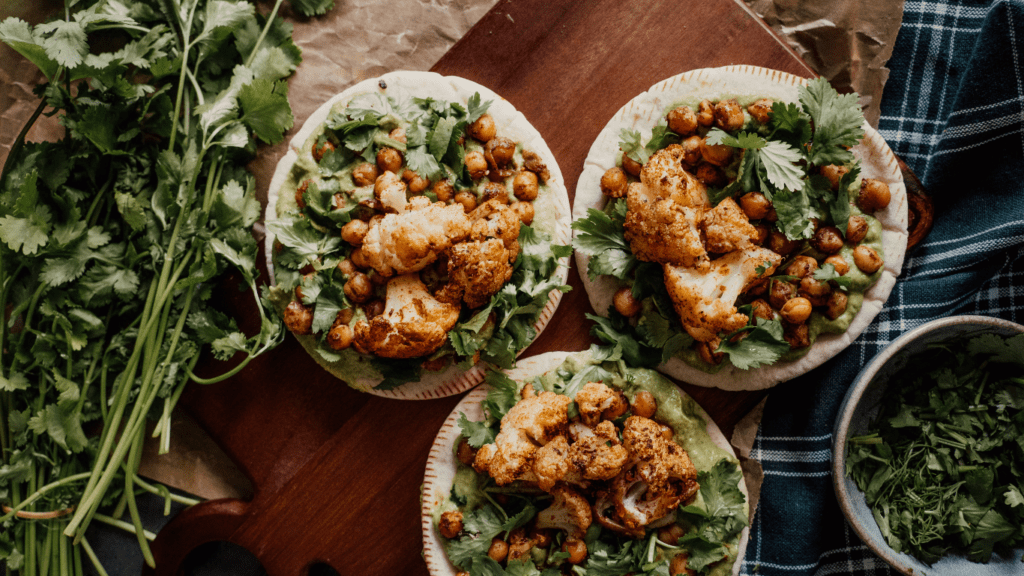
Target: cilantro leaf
{"points": [[616, 330], [312, 7], [828, 273], [17, 34], [763, 345], [601, 238], [722, 517], [265, 109], [631, 146], [838, 122], [476, 109], [476, 433]]}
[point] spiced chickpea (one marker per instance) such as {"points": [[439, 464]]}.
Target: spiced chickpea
{"points": [[359, 288], [450, 524], [354, 231], [827, 239], [778, 243], [682, 121], [300, 190], [465, 453], [706, 113], [525, 212], [467, 199], [476, 164], [483, 129], [415, 182], [772, 216], [498, 550], [389, 160], [874, 195], [866, 259], [718, 154], [577, 550], [710, 175], [798, 335], [671, 534], [298, 318], [320, 151], [760, 234], [614, 182], [373, 308], [796, 310], [706, 351], [644, 404], [376, 278], [678, 566], [834, 173], [631, 166], [495, 191], [499, 152], [346, 267], [624, 302], [399, 135], [519, 544], [691, 150], [816, 291], [802, 267], [761, 309], [364, 174], [760, 109], [541, 537], [526, 187], [856, 229], [359, 259], [729, 115], [618, 407], [836, 305], [780, 293], [755, 205], [444, 190], [839, 263], [757, 287], [344, 316]]}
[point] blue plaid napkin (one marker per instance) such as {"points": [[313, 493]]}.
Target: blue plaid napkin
{"points": [[953, 109]]}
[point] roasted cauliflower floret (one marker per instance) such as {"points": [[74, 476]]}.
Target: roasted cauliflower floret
{"points": [[532, 422], [727, 227], [492, 219], [476, 271], [596, 453], [569, 511], [413, 323], [664, 174], [659, 460], [659, 230], [390, 190], [593, 399], [410, 241], [551, 462], [706, 301]]}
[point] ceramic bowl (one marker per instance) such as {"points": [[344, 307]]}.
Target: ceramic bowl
{"points": [[858, 411]]}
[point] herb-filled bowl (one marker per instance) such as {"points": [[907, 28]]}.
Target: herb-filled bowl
{"points": [[928, 437]]}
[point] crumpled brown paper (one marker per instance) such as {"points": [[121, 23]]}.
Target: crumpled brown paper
{"points": [[846, 42]]}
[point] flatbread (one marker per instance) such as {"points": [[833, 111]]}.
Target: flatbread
{"points": [[442, 463], [510, 123], [643, 113]]}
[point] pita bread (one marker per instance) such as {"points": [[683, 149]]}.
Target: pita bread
{"points": [[745, 82], [554, 207], [442, 463]]}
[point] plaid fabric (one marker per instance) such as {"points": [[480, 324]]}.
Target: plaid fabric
{"points": [[953, 109]]}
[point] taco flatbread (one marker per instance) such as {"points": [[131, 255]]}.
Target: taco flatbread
{"points": [[614, 503], [416, 228], [688, 255]]}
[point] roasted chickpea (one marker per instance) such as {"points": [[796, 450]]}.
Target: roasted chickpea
{"points": [[691, 150], [706, 351], [320, 151], [541, 537], [614, 182], [354, 231], [778, 243], [300, 190], [498, 550], [761, 309], [856, 229], [666, 431], [839, 263], [344, 316], [798, 335], [760, 234], [467, 199], [465, 453], [815, 291], [346, 267], [359, 259], [834, 173], [757, 287], [682, 121], [389, 160], [376, 278], [525, 212], [519, 544], [577, 550], [618, 407], [444, 190], [624, 302], [450, 524], [358, 288], [671, 534], [836, 305], [780, 293], [298, 318], [867, 259], [729, 115], [414, 181], [710, 175], [678, 566], [476, 164], [772, 216], [874, 195], [719, 154], [495, 191], [755, 205], [631, 166], [483, 129], [760, 109], [827, 239], [644, 404], [796, 310], [706, 113], [526, 187], [499, 152], [398, 134], [373, 308], [364, 174]]}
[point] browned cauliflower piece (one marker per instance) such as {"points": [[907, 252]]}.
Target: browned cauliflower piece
{"points": [[664, 212], [569, 511], [413, 323], [658, 458], [727, 227], [476, 271], [596, 453], [551, 462], [410, 241], [706, 301], [593, 399], [492, 219], [532, 422], [390, 191]]}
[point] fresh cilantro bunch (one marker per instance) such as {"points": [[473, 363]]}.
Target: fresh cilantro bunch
{"points": [[942, 466], [116, 244]]}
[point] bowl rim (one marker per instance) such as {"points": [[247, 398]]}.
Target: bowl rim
{"points": [[854, 397]]}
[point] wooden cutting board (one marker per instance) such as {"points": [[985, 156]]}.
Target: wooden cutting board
{"points": [[336, 473]]}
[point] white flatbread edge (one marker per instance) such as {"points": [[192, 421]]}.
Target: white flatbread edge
{"points": [[510, 123], [877, 161], [439, 474]]}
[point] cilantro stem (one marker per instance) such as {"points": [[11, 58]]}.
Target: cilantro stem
{"points": [[37, 494], [19, 142], [92, 557], [165, 492], [144, 535], [133, 508], [263, 34], [186, 33]]}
